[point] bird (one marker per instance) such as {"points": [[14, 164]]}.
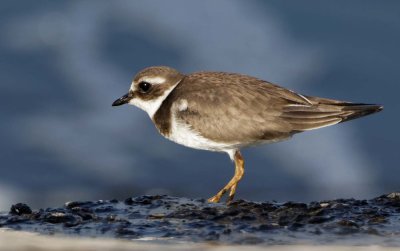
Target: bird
{"points": [[225, 112]]}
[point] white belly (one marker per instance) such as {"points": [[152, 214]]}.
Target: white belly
{"points": [[183, 134]]}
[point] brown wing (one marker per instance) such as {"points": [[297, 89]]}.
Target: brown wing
{"points": [[236, 108], [324, 112]]}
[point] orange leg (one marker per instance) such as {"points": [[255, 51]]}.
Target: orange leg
{"points": [[232, 184]]}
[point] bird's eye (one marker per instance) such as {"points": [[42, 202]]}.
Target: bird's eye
{"points": [[144, 86]]}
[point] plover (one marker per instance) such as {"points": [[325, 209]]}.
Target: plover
{"points": [[225, 112]]}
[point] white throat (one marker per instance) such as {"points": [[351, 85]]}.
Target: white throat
{"points": [[151, 106]]}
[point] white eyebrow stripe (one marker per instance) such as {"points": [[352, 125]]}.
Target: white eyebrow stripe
{"points": [[153, 80]]}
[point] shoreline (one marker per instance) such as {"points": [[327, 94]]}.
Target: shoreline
{"points": [[19, 241]]}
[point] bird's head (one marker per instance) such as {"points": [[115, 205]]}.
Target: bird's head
{"points": [[150, 87]]}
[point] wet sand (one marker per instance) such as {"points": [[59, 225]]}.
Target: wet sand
{"points": [[21, 241]]}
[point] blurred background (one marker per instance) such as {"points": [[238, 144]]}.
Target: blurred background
{"points": [[62, 64]]}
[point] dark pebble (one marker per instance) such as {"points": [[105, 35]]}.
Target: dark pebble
{"points": [[60, 217], [73, 204], [20, 209]]}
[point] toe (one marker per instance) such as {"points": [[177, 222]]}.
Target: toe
{"points": [[214, 199]]}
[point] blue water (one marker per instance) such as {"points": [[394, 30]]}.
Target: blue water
{"points": [[62, 64]]}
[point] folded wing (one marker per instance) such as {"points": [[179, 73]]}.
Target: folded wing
{"points": [[237, 108]]}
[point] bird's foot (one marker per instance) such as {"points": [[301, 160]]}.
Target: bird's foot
{"points": [[216, 198]]}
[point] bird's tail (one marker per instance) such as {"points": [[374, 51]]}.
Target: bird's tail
{"points": [[357, 110], [325, 112]]}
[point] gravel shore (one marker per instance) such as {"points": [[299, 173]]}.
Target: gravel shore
{"points": [[172, 220]]}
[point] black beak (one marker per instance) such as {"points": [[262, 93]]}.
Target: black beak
{"points": [[122, 100]]}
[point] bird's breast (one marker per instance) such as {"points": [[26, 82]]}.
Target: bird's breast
{"points": [[183, 134]]}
